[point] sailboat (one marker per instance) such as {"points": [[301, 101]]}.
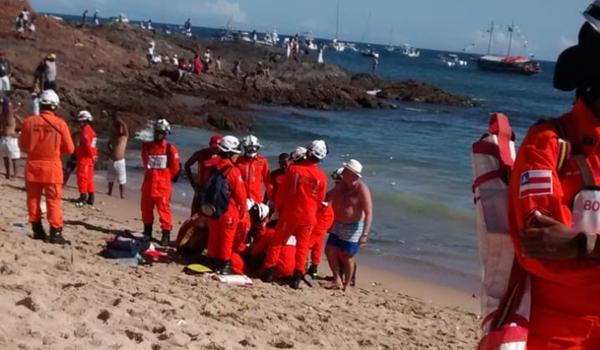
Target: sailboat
{"points": [[508, 63], [338, 45]]}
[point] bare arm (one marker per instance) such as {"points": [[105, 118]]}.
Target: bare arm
{"points": [[367, 203], [123, 129], [188, 167]]}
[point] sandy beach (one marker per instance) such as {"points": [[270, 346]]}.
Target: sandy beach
{"points": [[72, 298]]}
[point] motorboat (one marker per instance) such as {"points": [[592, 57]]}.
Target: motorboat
{"points": [[453, 60]]}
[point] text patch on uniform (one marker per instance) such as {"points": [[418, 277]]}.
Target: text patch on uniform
{"points": [[536, 183]]}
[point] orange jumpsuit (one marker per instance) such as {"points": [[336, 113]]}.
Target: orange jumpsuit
{"points": [[285, 265], [45, 138], [87, 154], [565, 311], [276, 181], [255, 173], [160, 169], [222, 230], [317, 238], [301, 194]]}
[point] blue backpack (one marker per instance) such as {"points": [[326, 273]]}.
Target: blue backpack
{"points": [[215, 194]]}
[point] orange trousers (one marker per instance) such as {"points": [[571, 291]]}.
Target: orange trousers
{"points": [[53, 193], [162, 205], [85, 178], [221, 236], [317, 240], [282, 233]]}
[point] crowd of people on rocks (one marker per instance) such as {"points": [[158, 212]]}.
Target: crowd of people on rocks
{"points": [[254, 221]]}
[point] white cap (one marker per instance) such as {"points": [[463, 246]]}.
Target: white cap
{"points": [[84, 116], [336, 175], [229, 144], [354, 166], [318, 148], [592, 15]]}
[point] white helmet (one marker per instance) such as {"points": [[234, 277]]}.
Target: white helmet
{"points": [[229, 144], [298, 154], [263, 211], [162, 125], [336, 175], [49, 98], [84, 116], [318, 148], [251, 145]]}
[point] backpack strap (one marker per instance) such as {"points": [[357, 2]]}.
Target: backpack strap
{"points": [[168, 155]]}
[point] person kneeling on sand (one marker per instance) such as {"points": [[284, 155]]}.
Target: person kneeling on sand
{"points": [[45, 138], [162, 165], [353, 214], [87, 155], [117, 146], [9, 145]]}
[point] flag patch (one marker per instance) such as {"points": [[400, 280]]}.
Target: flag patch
{"points": [[536, 183]]}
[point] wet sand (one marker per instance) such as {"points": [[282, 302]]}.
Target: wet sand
{"points": [[71, 298]]}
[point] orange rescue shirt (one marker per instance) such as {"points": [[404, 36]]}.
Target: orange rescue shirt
{"points": [[159, 168], [45, 138], [255, 173], [301, 194], [87, 152], [566, 285]]}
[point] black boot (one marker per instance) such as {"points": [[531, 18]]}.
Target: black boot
{"points": [[148, 231], [297, 280], [38, 231], [166, 238], [268, 275], [56, 236], [312, 271], [91, 198], [82, 199], [225, 268]]}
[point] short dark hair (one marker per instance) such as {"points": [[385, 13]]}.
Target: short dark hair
{"points": [[284, 156]]}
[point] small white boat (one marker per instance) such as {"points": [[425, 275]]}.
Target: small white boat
{"points": [[453, 60], [411, 52]]}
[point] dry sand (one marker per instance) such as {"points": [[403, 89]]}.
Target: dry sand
{"points": [[71, 298]]}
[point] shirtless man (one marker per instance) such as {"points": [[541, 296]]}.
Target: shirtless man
{"points": [[9, 144], [117, 146], [353, 214]]}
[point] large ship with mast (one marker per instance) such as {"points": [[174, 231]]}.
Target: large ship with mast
{"points": [[508, 63]]}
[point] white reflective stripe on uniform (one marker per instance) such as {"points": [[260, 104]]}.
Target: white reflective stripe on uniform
{"points": [[157, 161], [94, 140]]}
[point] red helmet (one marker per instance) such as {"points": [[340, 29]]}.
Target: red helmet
{"points": [[214, 141]]}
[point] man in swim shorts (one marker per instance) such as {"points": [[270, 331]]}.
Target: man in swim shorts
{"points": [[353, 214], [117, 145], [9, 144]]}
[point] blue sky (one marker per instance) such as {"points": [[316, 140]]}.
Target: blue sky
{"points": [[548, 26]]}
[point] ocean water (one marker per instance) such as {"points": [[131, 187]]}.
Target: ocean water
{"points": [[416, 157]]}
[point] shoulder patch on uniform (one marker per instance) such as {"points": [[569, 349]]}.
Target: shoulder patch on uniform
{"points": [[535, 183]]}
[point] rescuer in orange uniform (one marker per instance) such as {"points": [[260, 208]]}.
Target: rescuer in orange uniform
{"points": [[555, 208], [222, 230], [325, 218], [162, 165], [87, 155], [254, 169], [301, 194], [45, 138]]}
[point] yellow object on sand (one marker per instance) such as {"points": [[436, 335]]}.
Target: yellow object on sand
{"points": [[197, 268]]}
